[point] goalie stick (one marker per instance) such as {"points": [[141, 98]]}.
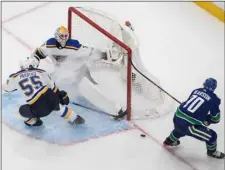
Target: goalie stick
{"points": [[99, 111]]}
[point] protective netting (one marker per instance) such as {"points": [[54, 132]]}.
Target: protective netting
{"points": [[147, 100]]}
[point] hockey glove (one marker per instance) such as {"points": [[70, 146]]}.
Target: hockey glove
{"points": [[207, 122], [64, 98]]}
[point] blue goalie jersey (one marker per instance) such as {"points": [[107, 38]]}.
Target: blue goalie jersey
{"points": [[197, 108]]}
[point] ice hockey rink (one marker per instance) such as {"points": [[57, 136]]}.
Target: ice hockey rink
{"points": [[181, 45]]}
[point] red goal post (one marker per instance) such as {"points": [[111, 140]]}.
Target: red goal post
{"points": [[71, 12], [123, 79]]}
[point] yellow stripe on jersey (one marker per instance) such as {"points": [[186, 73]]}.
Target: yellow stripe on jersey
{"points": [[37, 96], [39, 50], [51, 46], [14, 75], [71, 47]]}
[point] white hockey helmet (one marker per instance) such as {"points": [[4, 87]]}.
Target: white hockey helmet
{"points": [[30, 62], [62, 35]]}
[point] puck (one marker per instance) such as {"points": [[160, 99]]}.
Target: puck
{"points": [[143, 135]]}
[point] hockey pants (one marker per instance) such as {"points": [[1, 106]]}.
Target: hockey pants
{"points": [[183, 128]]}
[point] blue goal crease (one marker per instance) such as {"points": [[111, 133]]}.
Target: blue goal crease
{"points": [[56, 129]]}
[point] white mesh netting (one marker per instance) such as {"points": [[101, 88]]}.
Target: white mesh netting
{"points": [[147, 100]]}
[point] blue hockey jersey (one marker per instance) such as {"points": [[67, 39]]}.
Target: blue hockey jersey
{"points": [[200, 105]]}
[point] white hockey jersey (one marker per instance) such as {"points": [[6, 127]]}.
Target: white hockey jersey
{"points": [[32, 83], [73, 52], [70, 61]]}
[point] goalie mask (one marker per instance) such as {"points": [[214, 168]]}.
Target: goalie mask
{"points": [[62, 35]]}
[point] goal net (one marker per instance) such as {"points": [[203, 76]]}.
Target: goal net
{"points": [[122, 78]]}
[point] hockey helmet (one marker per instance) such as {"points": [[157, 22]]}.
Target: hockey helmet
{"points": [[30, 62], [210, 84], [62, 35]]}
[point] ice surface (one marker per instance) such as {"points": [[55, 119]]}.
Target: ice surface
{"points": [[180, 44]]}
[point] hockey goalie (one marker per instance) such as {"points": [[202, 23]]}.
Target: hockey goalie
{"points": [[70, 59]]}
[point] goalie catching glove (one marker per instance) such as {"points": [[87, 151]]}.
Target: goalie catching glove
{"points": [[113, 54]]}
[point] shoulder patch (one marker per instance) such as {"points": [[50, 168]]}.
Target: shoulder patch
{"points": [[73, 44], [51, 43]]}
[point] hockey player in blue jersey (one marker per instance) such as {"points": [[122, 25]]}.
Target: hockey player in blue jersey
{"points": [[194, 115]]}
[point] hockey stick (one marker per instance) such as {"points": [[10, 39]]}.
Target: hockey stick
{"points": [[128, 24], [99, 111], [155, 83]]}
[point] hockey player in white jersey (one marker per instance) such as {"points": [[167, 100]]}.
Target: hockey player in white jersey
{"points": [[70, 59], [42, 97]]}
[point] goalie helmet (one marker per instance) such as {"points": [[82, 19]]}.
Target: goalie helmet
{"points": [[62, 35], [210, 84]]}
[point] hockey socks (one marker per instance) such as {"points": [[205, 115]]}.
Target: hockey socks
{"points": [[70, 115]]}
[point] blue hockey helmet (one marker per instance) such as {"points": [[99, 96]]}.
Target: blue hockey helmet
{"points": [[210, 84]]}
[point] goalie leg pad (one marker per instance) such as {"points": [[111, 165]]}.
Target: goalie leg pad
{"points": [[93, 94]]}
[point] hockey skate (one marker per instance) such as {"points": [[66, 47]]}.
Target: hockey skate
{"points": [[79, 120], [169, 142], [216, 154], [38, 122]]}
